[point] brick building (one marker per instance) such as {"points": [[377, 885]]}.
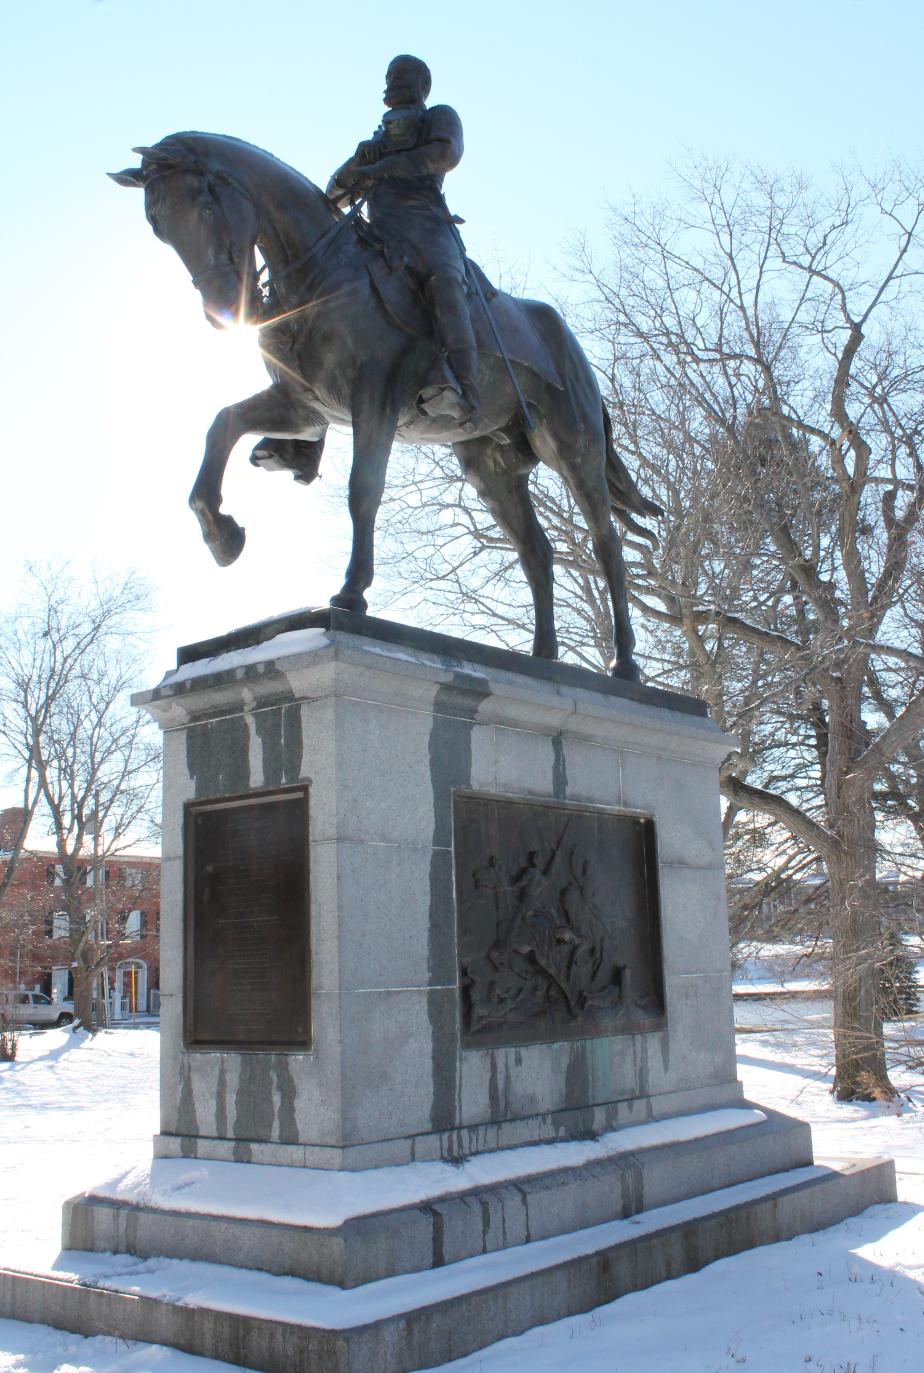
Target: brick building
{"points": [[35, 952]]}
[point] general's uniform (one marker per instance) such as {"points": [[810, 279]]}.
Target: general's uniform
{"points": [[418, 146]]}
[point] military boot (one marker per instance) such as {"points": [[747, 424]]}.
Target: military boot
{"points": [[448, 298], [463, 363]]}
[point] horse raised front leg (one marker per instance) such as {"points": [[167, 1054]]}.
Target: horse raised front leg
{"points": [[373, 435], [271, 410]]}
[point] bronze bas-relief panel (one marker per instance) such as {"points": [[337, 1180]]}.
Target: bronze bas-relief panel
{"points": [[558, 922], [248, 961]]}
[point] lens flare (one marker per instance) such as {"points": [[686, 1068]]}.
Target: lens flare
{"points": [[240, 340]]}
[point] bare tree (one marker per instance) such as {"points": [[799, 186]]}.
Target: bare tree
{"points": [[70, 653], [762, 348]]}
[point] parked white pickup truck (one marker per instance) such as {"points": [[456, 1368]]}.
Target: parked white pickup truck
{"points": [[34, 1008]]}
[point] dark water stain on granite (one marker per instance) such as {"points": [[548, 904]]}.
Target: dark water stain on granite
{"points": [[509, 1078], [285, 1088], [632, 1186], [494, 1101], [642, 1069], [221, 1101], [524, 1198], [665, 1044], [485, 1223], [439, 1238], [279, 731], [577, 1076], [293, 743], [559, 769], [187, 1122], [455, 708], [218, 757], [253, 1099]]}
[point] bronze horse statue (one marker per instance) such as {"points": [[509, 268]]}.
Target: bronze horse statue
{"points": [[345, 342]]}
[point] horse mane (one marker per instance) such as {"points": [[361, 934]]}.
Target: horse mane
{"points": [[223, 152]]}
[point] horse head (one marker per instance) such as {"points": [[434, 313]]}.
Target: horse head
{"points": [[210, 221]]}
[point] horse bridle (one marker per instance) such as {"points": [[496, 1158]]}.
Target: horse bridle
{"points": [[211, 175]]}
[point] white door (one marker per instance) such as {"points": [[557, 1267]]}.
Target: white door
{"points": [[59, 984]]}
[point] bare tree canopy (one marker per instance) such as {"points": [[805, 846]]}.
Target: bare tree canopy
{"points": [[762, 347], [86, 763]]}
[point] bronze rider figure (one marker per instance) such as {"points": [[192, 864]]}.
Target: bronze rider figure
{"points": [[400, 172]]}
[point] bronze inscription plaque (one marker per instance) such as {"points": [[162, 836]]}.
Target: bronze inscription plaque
{"points": [[248, 969], [559, 925]]}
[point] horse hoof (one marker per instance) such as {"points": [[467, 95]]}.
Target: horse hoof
{"points": [[227, 542], [626, 669], [350, 600]]}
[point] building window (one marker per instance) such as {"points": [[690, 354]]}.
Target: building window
{"points": [[133, 924], [57, 925], [94, 917], [54, 875]]}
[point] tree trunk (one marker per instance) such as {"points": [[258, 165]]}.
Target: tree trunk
{"points": [[860, 1072], [83, 995]]}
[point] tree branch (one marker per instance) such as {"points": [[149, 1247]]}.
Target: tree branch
{"points": [[896, 736], [770, 803]]}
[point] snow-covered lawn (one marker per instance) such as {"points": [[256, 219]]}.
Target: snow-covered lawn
{"points": [[770, 969], [74, 1111], [766, 968]]}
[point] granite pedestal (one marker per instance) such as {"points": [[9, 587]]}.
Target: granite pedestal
{"points": [[410, 796], [384, 738]]}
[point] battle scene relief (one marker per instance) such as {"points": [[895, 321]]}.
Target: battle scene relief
{"points": [[558, 921]]}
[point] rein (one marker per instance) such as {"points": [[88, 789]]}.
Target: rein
{"points": [[318, 243]]}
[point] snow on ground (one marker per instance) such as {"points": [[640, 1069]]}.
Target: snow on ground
{"points": [[772, 969], [69, 1105], [845, 1300], [74, 1111], [768, 968]]}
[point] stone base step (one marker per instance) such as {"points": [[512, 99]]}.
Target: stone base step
{"points": [[520, 1196], [421, 1320]]}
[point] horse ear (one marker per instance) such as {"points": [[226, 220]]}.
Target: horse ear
{"points": [[131, 176], [156, 154]]}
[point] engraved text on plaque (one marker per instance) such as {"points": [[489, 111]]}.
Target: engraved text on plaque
{"points": [[246, 922]]}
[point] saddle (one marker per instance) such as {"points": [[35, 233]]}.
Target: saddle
{"points": [[402, 299], [396, 289]]}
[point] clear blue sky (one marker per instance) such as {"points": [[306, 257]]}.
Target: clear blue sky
{"points": [[111, 374]]}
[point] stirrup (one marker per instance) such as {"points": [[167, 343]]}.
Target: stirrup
{"points": [[470, 409], [442, 398]]}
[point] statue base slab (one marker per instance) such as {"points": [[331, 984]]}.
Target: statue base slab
{"points": [[420, 1320]]}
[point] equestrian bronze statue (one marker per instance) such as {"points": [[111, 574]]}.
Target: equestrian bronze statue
{"points": [[372, 316]]}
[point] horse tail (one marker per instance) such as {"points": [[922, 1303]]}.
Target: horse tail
{"points": [[625, 498]]}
